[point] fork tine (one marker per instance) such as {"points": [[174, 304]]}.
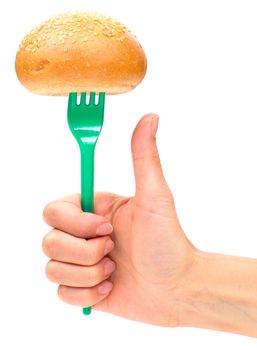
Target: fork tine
{"points": [[83, 98], [92, 99], [72, 100], [101, 97]]}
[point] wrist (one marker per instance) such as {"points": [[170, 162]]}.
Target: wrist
{"points": [[187, 290], [194, 290], [219, 292]]}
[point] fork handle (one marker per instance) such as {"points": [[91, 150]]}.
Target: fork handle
{"points": [[87, 151]]}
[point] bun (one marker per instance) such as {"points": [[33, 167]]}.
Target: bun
{"points": [[77, 52]]}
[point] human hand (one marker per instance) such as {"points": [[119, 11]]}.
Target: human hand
{"points": [[151, 253]]}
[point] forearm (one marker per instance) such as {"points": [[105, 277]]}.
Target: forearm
{"points": [[221, 294]]}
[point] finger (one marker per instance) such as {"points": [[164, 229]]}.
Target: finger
{"points": [[104, 202], [84, 297], [77, 275], [150, 181], [68, 217], [63, 247]]}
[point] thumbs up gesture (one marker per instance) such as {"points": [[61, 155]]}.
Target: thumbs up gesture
{"points": [[130, 257]]}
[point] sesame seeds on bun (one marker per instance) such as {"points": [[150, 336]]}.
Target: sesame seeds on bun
{"points": [[80, 52]]}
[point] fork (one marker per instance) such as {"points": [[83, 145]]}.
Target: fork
{"points": [[85, 122]]}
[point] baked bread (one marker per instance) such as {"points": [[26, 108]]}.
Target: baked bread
{"points": [[80, 52]]}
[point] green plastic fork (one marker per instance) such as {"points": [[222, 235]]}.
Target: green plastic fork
{"points": [[85, 122]]}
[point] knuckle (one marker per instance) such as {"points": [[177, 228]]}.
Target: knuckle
{"points": [[154, 156], [91, 255], [62, 292], [90, 222], [94, 276], [71, 296], [49, 245], [90, 258], [49, 211], [51, 271]]}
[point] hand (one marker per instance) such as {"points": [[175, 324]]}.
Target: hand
{"points": [[151, 253]]}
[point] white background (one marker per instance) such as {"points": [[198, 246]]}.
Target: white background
{"points": [[202, 81]]}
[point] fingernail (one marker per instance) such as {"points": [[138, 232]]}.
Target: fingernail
{"points": [[105, 287], [154, 124], [108, 246], [109, 267], [104, 229]]}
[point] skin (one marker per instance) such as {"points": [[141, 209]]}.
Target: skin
{"points": [[133, 259]]}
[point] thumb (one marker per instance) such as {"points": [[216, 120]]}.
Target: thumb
{"points": [[150, 181]]}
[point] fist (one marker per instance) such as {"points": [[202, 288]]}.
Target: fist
{"points": [[78, 246]]}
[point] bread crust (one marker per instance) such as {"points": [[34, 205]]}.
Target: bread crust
{"points": [[80, 52]]}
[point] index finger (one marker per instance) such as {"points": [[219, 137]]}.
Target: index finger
{"points": [[69, 217]]}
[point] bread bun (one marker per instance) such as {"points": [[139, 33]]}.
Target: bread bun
{"points": [[76, 52]]}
